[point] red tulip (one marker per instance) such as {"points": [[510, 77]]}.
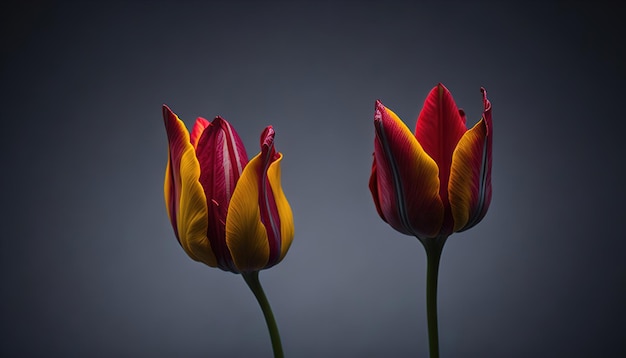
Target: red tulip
{"points": [[437, 181]]}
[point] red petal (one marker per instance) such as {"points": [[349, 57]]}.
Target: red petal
{"points": [[198, 127], [222, 157], [439, 127], [177, 140], [267, 204]]}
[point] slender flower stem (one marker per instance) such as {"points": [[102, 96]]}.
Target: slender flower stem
{"points": [[433, 256], [252, 279]]}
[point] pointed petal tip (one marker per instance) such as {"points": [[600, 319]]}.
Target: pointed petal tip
{"points": [[166, 110], [486, 102], [441, 87], [379, 109], [168, 114], [379, 106], [202, 123], [219, 121], [267, 137], [439, 91]]}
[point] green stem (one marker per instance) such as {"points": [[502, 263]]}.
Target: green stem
{"points": [[252, 279], [433, 255]]}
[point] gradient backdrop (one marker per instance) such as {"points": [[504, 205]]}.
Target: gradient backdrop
{"points": [[89, 263]]}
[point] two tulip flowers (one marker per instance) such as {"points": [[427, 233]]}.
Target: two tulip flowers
{"points": [[226, 212], [230, 213], [438, 180]]}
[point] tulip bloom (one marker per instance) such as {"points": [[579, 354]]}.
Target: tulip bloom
{"points": [[434, 182], [226, 212], [438, 180]]}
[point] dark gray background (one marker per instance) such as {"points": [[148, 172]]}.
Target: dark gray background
{"points": [[89, 263]]}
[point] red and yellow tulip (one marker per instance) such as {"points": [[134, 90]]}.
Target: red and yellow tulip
{"points": [[226, 211], [438, 180]]}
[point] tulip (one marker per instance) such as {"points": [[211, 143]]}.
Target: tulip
{"points": [[226, 211], [435, 182]]}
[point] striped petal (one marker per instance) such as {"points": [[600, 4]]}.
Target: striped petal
{"points": [[404, 181], [184, 196], [259, 224], [222, 157], [470, 177]]}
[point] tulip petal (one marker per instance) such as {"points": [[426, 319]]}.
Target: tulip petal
{"points": [[466, 184], [184, 195], [404, 179], [259, 224], [439, 128], [470, 177], [276, 213], [198, 128], [282, 207], [245, 234], [176, 133], [440, 125], [222, 157]]}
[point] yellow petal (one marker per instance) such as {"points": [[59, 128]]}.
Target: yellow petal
{"points": [[184, 195], [193, 217], [465, 174], [245, 234]]}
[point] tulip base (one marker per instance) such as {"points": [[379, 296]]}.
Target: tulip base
{"points": [[252, 279]]}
